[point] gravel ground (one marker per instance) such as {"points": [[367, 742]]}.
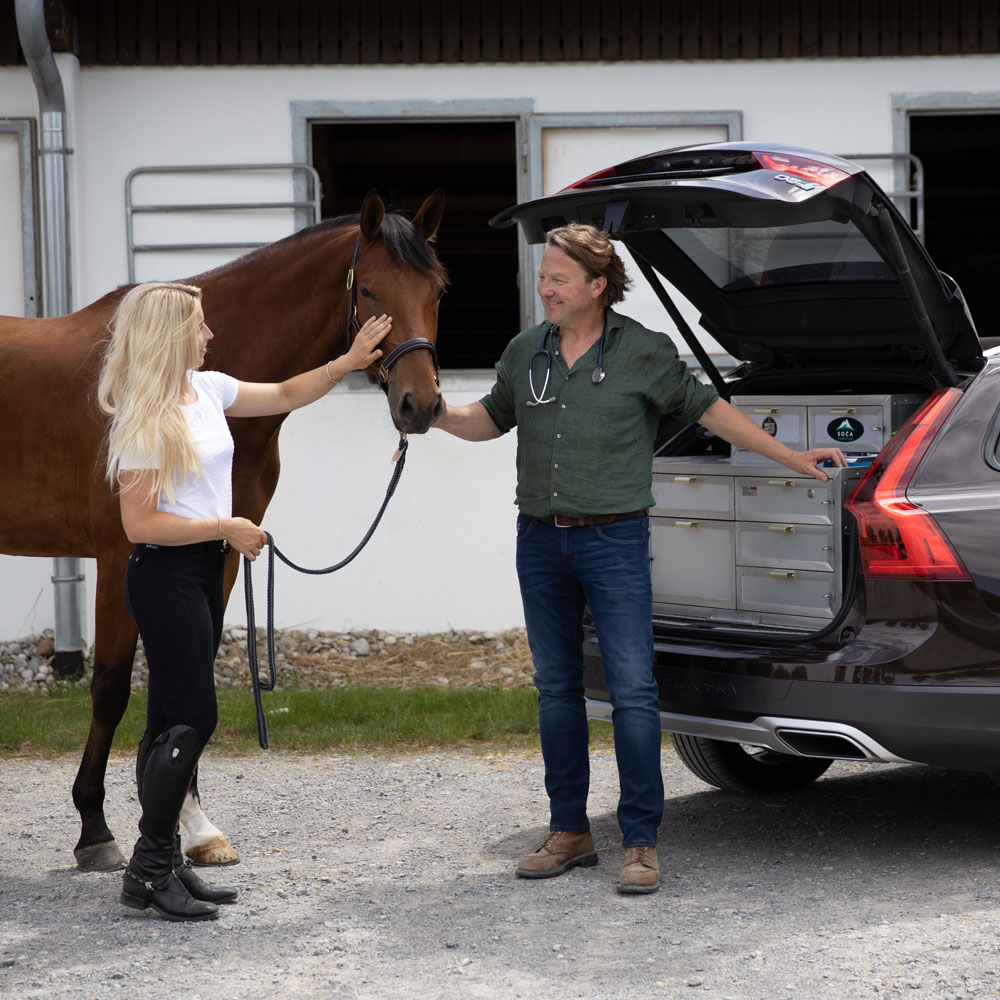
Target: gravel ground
{"points": [[391, 877]]}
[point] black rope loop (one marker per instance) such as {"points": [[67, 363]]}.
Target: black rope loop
{"points": [[256, 684]]}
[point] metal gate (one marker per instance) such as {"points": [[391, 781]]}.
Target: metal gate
{"points": [[183, 189]]}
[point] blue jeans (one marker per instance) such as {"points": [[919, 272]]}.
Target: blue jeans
{"points": [[606, 568]]}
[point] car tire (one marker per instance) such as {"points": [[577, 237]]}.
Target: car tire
{"points": [[748, 770]]}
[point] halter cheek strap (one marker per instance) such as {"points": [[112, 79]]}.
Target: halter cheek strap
{"points": [[354, 324], [383, 366]]}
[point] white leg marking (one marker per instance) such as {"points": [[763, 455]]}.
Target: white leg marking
{"points": [[198, 828]]}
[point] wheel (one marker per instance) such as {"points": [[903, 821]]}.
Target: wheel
{"points": [[736, 767]]}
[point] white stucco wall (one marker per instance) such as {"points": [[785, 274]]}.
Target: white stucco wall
{"points": [[444, 555]]}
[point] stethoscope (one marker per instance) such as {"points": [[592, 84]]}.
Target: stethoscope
{"points": [[597, 376]]}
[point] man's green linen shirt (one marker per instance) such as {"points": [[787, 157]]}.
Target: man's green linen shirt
{"points": [[590, 451]]}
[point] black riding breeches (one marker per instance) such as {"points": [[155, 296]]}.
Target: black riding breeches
{"points": [[175, 596]]}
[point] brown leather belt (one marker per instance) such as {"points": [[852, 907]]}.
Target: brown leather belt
{"points": [[566, 521]]}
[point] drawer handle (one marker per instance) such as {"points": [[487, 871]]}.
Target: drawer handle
{"points": [[827, 548], [782, 574], [785, 529], [781, 482], [847, 411], [829, 597], [685, 479], [685, 524], [768, 409]]}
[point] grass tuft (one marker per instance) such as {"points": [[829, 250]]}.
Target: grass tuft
{"points": [[300, 720]]}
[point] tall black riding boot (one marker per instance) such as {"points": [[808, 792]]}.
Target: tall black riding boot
{"points": [[141, 759], [149, 879], [194, 884]]}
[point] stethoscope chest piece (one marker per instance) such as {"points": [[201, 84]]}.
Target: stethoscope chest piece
{"points": [[597, 376]]}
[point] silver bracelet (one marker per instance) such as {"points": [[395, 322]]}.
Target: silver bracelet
{"points": [[335, 381]]}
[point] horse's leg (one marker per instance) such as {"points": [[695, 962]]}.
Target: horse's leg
{"points": [[204, 843], [114, 650]]}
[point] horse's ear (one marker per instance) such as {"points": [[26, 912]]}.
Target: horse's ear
{"points": [[372, 214], [427, 220]]}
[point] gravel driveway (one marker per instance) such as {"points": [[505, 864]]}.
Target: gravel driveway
{"points": [[392, 877]]}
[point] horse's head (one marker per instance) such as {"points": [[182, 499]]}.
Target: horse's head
{"points": [[398, 273]]}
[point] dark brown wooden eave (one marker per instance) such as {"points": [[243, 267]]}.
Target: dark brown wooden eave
{"points": [[393, 32]]}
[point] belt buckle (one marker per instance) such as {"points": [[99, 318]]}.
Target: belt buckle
{"points": [[555, 521]]}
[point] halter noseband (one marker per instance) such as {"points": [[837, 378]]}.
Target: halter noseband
{"points": [[383, 365]]}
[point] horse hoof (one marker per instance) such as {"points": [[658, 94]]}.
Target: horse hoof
{"points": [[214, 852], [99, 857]]}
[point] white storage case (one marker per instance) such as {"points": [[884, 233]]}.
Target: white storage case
{"points": [[745, 543], [856, 424]]}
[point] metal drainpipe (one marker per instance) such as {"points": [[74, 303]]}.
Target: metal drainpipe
{"points": [[67, 576]]}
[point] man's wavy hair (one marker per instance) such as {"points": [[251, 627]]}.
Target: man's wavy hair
{"points": [[592, 249]]}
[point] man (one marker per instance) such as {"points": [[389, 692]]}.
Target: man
{"points": [[585, 391]]}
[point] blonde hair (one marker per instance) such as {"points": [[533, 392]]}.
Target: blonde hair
{"points": [[592, 249], [154, 341]]}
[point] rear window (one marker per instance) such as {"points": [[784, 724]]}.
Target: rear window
{"points": [[826, 252]]}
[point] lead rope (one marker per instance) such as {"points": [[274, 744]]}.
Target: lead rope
{"points": [[256, 684]]}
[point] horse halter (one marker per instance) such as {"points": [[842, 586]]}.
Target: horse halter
{"points": [[383, 365]]}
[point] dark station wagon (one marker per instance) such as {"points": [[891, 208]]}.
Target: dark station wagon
{"points": [[799, 622]]}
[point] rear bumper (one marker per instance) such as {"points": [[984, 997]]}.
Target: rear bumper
{"points": [[945, 726]]}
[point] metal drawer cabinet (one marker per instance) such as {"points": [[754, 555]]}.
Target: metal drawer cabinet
{"points": [[781, 498], [692, 561], [788, 591], [863, 424], [857, 423], [785, 546], [785, 421], [692, 494], [852, 428]]}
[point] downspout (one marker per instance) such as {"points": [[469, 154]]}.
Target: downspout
{"points": [[67, 576]]}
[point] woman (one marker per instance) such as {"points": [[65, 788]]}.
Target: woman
{"points": [[170, 454]]}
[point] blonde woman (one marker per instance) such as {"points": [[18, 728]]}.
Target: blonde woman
{"points": [[170, 457]]}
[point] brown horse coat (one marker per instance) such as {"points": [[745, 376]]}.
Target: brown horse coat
{"points": [[276, 312]]}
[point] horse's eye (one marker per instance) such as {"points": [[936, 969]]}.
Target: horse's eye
{"points": [[365, 294], [440, 295]]}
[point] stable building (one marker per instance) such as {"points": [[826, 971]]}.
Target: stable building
{"points": [[195, 131]]}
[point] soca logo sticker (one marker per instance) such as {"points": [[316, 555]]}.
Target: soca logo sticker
{"points": [[797, 181], [845, 430]]}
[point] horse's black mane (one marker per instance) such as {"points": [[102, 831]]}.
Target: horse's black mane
{"points": [[404, 243]]}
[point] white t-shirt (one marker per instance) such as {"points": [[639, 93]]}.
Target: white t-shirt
{"points": [[210, 494]]}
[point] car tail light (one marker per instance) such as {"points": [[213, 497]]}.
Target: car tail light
{"points": [[800, 166], [900, 540], [599, 176]]}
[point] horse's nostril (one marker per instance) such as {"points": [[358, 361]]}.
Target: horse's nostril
{"points": [[406, 407]]}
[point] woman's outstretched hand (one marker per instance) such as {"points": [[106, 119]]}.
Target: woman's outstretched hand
{"points": [[364, 350]]}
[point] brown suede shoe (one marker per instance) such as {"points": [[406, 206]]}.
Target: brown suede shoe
{"points": [[560, 852], [641, 872]]}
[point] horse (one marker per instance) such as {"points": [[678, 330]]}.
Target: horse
{"points": [[282, 309]]}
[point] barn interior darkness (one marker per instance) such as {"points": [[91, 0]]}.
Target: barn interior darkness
{"points": [[475, 164], [962, 205]]}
